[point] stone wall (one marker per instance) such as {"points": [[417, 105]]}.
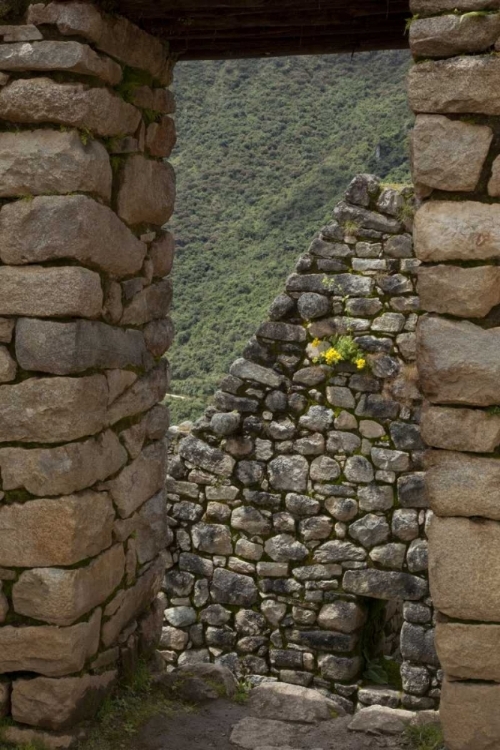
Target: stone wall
{"points": [[297, 501], [84, 291], [453, 89]]}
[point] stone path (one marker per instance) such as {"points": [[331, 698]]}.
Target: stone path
{"points": [[276, 716]]}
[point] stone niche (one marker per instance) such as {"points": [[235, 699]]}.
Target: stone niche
{"points": [[297, 501]]}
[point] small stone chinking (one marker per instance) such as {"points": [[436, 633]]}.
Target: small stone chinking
{"points": [[454, 91], [84, 295], [298, 498]]}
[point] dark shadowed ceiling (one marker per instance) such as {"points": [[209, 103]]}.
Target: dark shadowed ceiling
{"points": [[225, 29]]}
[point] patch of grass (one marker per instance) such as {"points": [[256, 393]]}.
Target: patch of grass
{"points": [[122, 715], [242, 692], [428, 737]]}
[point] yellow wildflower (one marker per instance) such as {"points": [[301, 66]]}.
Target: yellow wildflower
{"points": [[332, 356], [360, 363], [316, 342]]}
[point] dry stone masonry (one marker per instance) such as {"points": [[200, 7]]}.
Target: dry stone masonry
{"points": [[453, 89], [84, 297], [297, 501]]}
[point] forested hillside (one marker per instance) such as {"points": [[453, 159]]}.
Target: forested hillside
{"points": [[265, 149]]}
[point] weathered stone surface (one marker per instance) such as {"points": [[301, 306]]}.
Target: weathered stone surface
{"points": [[342, 615], [282, 332], [211, 459], [16, 734], [55, 532], [447, 230], [434, 7], [246, 370], [384, 585], [454, 34], [50, 292], [159, 336], [153, 533], [412, 491], [365, 219], [338, 551], [460, 429], [161, 253], [278, 700], [112, 34], [464, 292], [233, 588], [463, 84], [161, 137], [289, 473], [130, 602], [212, 538], [381, 720], [340, 667], [478, 479], [252, 733], [8, 366], [142, 395], [448, 154], [389, 555], [53, 410], [140, 480], [151, 303], [62, 596], [154, 182], [49, 161], [197, 683], [469, 546], [74, 227], [70, 57], [21, 33], [417, 644], [57, 704], [370, 530], [469, 715], [284, 547], [458, 362], [41, 100], [69, 348], [469, 652]]}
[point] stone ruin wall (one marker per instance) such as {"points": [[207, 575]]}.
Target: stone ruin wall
{"points": [[297, 501], [84, 291], [454, 91]]}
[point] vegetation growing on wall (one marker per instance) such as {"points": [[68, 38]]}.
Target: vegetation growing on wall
{"points": [[265, 149]]}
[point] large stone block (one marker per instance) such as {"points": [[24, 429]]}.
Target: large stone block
{"points": [[60, 596], [154, 182], [454, 34], [433, 7], [114, 35], [380, 584], [464, 568], [153, 532], [161, 137], [140, 480], [47, 649], [447, 230], [128, 603], [455, 429], [203, 455], [64, 469], [458, 362], [75, 227], [464, 292], [477, 478], [58, 704], [68, 348], [53, 410], [469, 715], [41, 100], [462, 84], [61, 531], [448, 154], [50, 292], [469, 652], [49, 161], [234, 589], [70, 57], [142, 395], [151, 303]]}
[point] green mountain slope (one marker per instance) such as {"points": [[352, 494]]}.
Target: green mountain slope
{"points": [[265, 150]]}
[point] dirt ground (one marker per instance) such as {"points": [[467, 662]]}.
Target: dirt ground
{"points": [[209, 727]]}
